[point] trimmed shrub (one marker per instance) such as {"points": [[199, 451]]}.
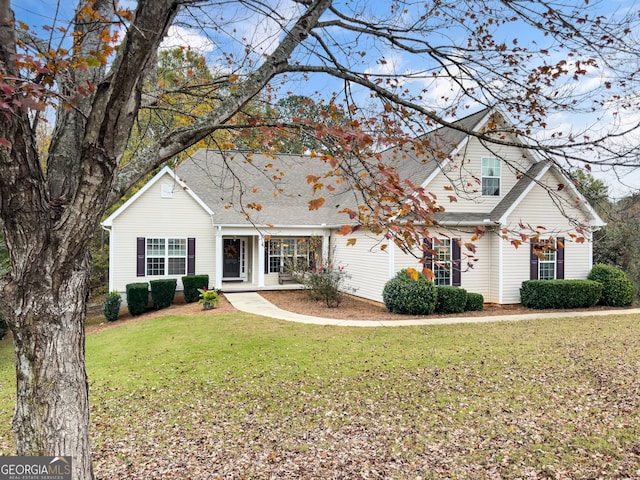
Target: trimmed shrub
{"points": [[475, 302], [191, 284], [560, 293], [617, 287], [450, 299], [111, 306], [137, 298], [409, 294], [162, 292]]}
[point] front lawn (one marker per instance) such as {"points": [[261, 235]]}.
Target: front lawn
{"points": [[239, 396]]}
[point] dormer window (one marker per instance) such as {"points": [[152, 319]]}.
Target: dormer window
{"points": [[491, 176]]}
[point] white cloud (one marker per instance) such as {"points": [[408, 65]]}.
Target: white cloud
{"points": [[182, 37]]}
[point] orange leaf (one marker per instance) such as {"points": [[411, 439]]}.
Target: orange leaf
{"points": [[428, 273], [316, 203], [345, 230], [413, 274], [351, 242]]}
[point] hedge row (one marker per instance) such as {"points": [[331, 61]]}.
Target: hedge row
{"points": [[560, 293], [162, 295]]}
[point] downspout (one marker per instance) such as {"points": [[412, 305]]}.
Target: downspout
{"points": [[111, 257], [219, 259], [392, 258]]}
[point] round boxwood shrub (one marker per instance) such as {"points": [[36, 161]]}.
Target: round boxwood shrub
{"points": [[475, 302], [409, 294], [450, 299], [617, 287]]}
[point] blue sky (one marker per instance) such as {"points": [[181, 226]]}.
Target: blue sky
{"points": [[263, 33]]}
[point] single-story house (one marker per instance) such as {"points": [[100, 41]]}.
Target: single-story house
{"points": [[239, 217]]}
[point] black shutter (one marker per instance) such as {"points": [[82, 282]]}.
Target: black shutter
{"points": [[560, 258], [456, 274], [266, 257], [533, 267], [140, 257], [427, 255], [191, 256]]}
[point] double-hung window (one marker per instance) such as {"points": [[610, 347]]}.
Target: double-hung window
{"points": [[284, 250], [491, 169], [157, 256], [442, 261], [547, 263], [166, 256], [547, 259], [442, 256]]}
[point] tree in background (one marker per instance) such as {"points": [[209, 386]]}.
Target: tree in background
{"points": [[403, 68]]}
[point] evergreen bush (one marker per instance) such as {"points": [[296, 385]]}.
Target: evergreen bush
{"points": [[410, 293], [191, 284], [163, 292], [137, 298], [475, 302], [560, 293], [617, 287], [450, 299], [111, 306]]}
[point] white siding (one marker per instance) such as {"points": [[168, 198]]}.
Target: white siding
{"points": [[479, 273], [464, 174], [365, 262], [542, 208], [370, 267], [153, 215]]}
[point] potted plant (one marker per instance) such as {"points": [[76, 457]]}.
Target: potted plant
{"points": [[208, 298]]}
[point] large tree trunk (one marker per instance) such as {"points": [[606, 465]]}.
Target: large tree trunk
{"points": [[52, 405]]}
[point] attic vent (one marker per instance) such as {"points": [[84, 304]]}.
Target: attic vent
{"points": [[166, 190]]}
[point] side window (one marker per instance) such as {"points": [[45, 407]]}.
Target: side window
{"points": [[166, 256], [491, 169], [442, 261], [547, 263], [443, 257], [547, 259]]}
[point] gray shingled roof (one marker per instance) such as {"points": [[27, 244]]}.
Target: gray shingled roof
{"points": [[442, 141], [227, 180]]}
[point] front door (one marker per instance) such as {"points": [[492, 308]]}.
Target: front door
{"points": [[232, 257]]}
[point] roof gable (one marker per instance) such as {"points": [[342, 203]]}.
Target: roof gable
{"points": [[108, 222]]}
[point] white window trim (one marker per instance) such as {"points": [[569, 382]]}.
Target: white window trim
{"points": [[296, 245], [544, 261], [439, 243], [483, 176], [166, 256]]}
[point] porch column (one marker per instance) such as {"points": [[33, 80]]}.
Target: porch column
{"points": [[219, 259], [326, 236], [261, 261]]}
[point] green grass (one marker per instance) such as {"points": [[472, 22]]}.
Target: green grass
{"points": [[547, 398]]}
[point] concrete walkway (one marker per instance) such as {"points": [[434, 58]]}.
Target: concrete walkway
{"points": [[252, 302]]}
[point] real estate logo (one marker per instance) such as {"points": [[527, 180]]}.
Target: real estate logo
{"points": [[35, 468]]}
